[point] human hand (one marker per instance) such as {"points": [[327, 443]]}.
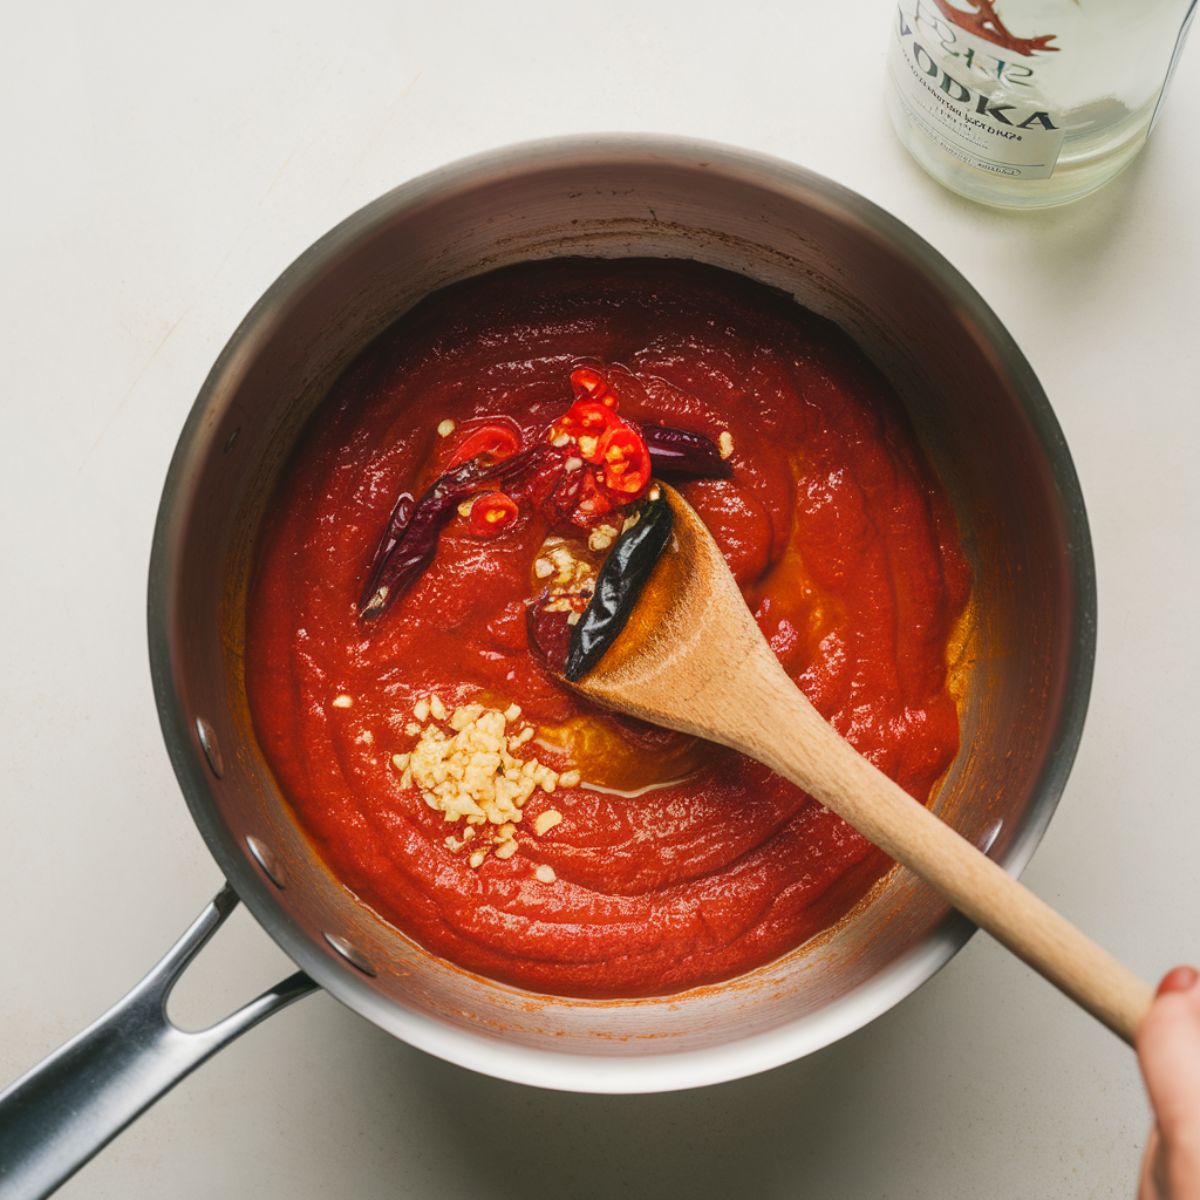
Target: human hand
{"points": [[1168, 1046]]}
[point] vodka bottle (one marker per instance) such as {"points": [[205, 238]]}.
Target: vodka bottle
{"points": [[1029, 103]]}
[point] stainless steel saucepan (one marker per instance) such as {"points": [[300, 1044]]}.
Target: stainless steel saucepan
{"points": [[986, 426]]}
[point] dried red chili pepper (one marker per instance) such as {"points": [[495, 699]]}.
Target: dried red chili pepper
{"points": [[400, 562], [622, 577], [398, 522], [491, 514], [680, 452], [410, 556], [549, 633]]}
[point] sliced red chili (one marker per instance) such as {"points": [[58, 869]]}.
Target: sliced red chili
{"points": [[589, 384], [495, 440], [586, 421], [590, 417], [625, 460], [492, 513]]}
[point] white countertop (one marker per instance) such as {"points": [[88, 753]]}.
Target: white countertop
{"points": [[163, 165]]}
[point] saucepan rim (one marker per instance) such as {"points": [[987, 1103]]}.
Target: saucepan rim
{"points": [[649, 1071]]}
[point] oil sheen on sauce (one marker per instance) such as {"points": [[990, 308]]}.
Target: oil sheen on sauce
{"points": [[676, 863]]}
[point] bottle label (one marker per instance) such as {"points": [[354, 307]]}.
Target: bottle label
{"points": [[975, 96]]}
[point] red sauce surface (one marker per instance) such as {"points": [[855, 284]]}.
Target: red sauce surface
{"points": [[837, 533]]}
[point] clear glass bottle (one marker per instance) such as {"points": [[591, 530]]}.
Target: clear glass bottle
{"points": [[1030, 103]]}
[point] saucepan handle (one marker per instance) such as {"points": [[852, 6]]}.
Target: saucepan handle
{"points": [[59, 1114]]}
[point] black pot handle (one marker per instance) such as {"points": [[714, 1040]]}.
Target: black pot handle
{"points": [[64, 1110]]}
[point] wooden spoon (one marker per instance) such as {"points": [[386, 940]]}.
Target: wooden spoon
{"points": [[692, 658]]}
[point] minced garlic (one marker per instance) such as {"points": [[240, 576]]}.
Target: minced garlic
{"points": [[545, 821], [572, 578], [471, 773], [602, 537], [725, 443], [445, 428]]}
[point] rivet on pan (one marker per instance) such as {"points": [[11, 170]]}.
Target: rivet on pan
{"points": [[350, 953], [208, 743], [265, 857], [233, 437]]}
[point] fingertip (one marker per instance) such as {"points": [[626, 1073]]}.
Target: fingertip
{"points": [[1168, 1044], [1180, 979]]}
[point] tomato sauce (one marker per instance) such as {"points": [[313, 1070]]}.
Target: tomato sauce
{"points": [[676, 863]]}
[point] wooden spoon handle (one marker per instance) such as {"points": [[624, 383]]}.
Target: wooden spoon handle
{"points": [[795, 741]]}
